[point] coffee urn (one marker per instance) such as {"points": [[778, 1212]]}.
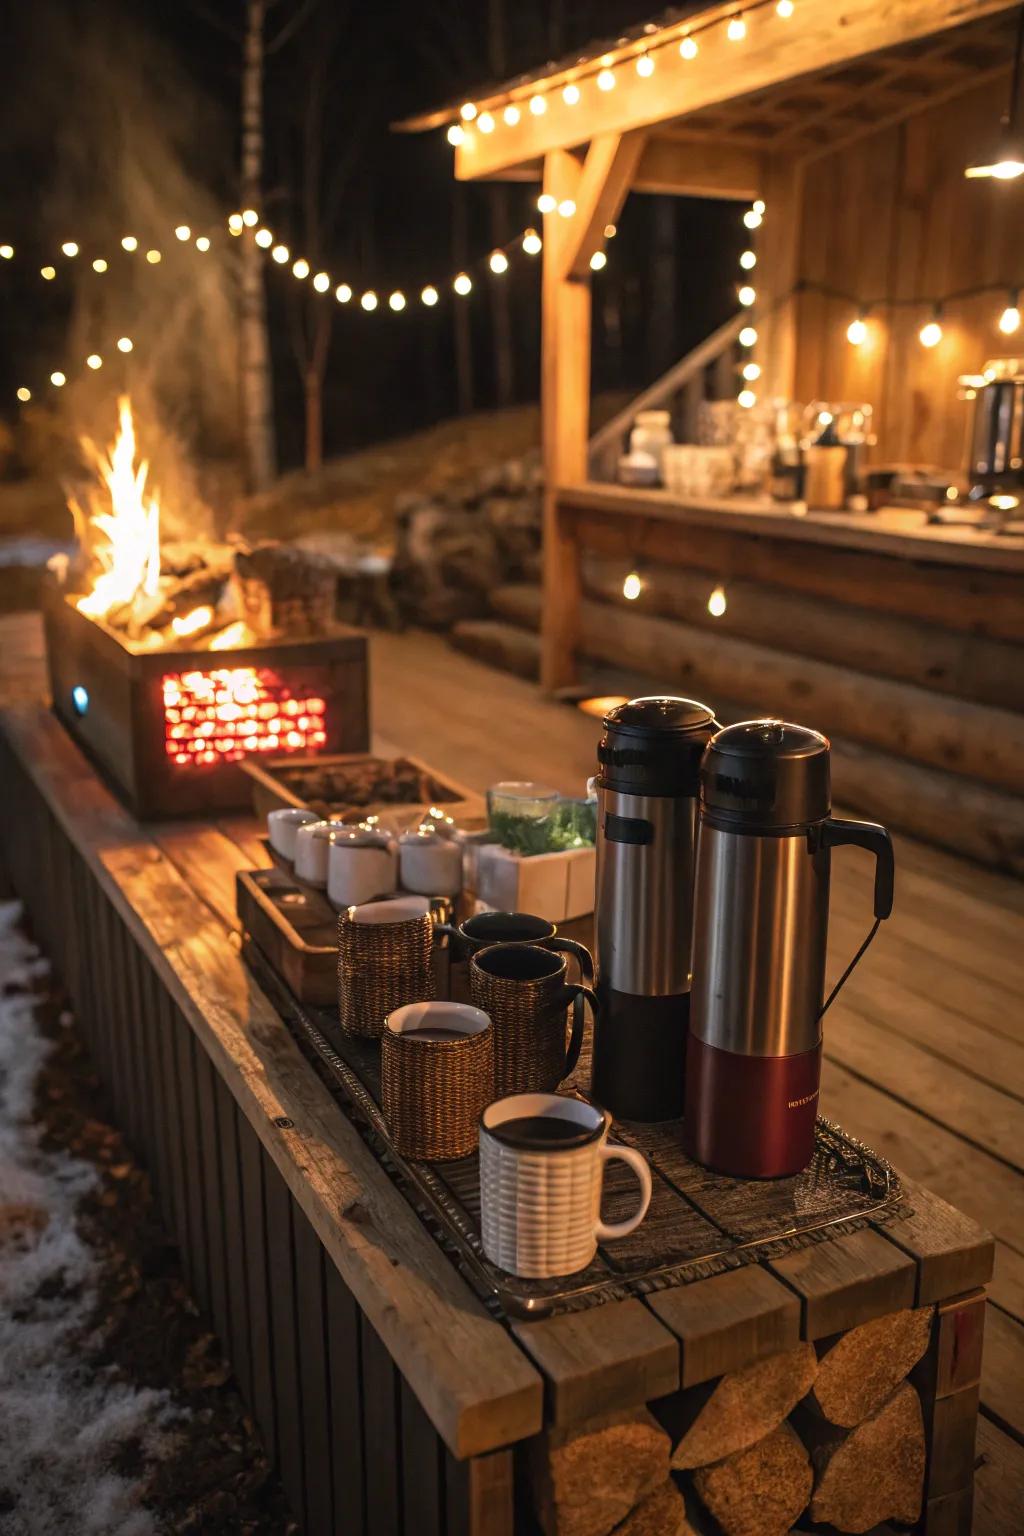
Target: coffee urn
{"points": [[761, 923], [647, 788]]}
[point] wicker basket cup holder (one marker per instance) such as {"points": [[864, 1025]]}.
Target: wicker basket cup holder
{"points": [[523, 989], [384, 962], [437, 1078]]}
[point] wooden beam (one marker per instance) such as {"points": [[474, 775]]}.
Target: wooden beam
{"points": [[603, 184], [565, 415], [774, 278], [775, 50], [698, 167]]}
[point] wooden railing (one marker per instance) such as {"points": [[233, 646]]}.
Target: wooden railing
{"points": [[679, 391]]}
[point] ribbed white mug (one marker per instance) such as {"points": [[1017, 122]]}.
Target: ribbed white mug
{"points": [[540, 1205]]}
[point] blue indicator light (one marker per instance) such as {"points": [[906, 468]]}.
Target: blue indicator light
{"points": [[80, 699]]}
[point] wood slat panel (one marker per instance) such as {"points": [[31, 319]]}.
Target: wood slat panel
{"points": [[194, 1251], [310, 1307], [847, 1281], [422, 1471], [254, 1227], [277, 1212], [344, 1349], [381, 1435], [235, 1256], [614, 1356], [212, 1197], [728, 1321]]}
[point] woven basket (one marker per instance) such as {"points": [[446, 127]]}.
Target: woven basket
{"points": [[433, 1092], [529, 1019], [382, 966]]}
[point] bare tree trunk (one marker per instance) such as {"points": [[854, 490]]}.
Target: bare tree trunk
{"points": [[254, 348], [460, 309]]}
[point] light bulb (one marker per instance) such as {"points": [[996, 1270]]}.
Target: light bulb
{"points": [[202, 242], [758, 205], [645, 66], [610, 231], [688, 48], [467, 111], [70, 248], [264, 239], [571, 95], [94, 361], [746, 398], [546, 203], [129, 243], [856, 332], [532, 243], [49, 273], [24, 394], [784, 9], [99, 265], [182, 232], [567, 207], [250, 218], [369, 300], [456, 134], [752, 219], [1009, 320], [124, 344], [429, 295], [154, 258], [58, 379], [748, 260], [235, 223], [462, 284], [717, 603], [632, 586], [930, 334], [736, 31], [538, 106], [321, 282], [606, 80], [511, 115], [300, 268], [280, 254], [597, 261], [397, 301], [748, 336], [343, 293], [6, 251], [751, 371], [746, 295], [498, 262], [485, 122]]}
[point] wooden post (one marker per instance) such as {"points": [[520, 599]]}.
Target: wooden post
{"points": [[775, 278], [565, 415]]}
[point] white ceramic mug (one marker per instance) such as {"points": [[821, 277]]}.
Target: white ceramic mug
{"points": [[312, 846], [430, 864], [540, 1187], [283, 826], [361, 865]]}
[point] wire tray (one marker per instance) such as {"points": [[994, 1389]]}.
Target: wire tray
{"points": [[699, 1223]]}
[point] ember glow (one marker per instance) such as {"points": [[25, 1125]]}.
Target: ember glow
{"points": [[223, 715], [192, 623], [124, 540]]}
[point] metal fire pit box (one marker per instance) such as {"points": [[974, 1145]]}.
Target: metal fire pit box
{"points": [[171, 728]]}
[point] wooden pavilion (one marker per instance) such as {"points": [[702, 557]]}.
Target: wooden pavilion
{"points": [[844, 132]]}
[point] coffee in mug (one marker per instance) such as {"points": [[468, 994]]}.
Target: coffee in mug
{"points": [[525, 991]]}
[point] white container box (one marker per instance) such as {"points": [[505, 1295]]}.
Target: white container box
{"points": [[555, 886]]}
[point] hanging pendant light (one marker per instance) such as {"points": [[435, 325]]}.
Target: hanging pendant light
{"points": [[1006, 160]]}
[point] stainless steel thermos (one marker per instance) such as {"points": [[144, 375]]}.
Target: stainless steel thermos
{"points": [[761, 924], [647, 787]]}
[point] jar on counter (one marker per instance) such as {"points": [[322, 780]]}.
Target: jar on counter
{"points": [[429, 864], [652, 433]]}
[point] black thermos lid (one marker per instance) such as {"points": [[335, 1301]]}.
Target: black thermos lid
{"points": [[766, 774], [653, 746]]}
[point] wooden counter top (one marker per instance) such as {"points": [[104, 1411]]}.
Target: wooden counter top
{"points": [[877, 532]]}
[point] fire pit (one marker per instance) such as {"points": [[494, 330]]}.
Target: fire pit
{"points": [[172, 665]]}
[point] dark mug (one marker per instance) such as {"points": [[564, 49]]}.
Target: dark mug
{"points": [[489, 928], [524, 990]]}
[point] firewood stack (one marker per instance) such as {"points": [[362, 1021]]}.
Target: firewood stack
{"points": [[286, 590], [831, 1433]]}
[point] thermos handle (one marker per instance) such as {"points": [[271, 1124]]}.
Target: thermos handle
{"points": [[838, 832]]}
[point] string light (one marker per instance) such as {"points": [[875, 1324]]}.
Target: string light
{"points": [[129, 243], [758, 205], [154, 258], [610, 231], [321, 282], [746, 398], [857, 331], [498, 262], [632, 586], [343, 293], [455, 135], [1009, 320], [485, 122], [462, 284], [124, 344], [369, 300], [567, 208], [99, 265], [606, 80], [597, 261], [397, 301], [235, 224], [300, 268], [752, 219], [930, 333], [202, 242], [717, 603], [24, 395], [736, 31], [645, 66], [688, 48], [58, 379], [429, 296], [571, 95], [69, 248], [182, 232], [94, 361], [264, 239], [538, 106], [748, 336], [250, 218], [49, 273], [467, 112], [511, 115], [6, 251], [748, 260], [532, 243], [785, 9], [280, 253], [546, 203], [746, 295], [751, 371]]}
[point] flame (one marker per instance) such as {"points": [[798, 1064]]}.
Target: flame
{"points": [[130, 557], [193, 622], [235, 636]]}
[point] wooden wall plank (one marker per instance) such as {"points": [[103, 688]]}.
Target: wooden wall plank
{"points": [[422, 1470], [310, 1307], [212, 1197], [194, 1250], [235, 1257], [277, 1208], [170, 1097], [381, 1435], [254, 1227], [344, 1348]]}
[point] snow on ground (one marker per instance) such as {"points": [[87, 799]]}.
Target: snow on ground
{"points": [[62, 1424]]}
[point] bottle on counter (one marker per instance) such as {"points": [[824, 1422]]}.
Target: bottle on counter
{"points": [[651, 434], [826, 457], [788, 470]]}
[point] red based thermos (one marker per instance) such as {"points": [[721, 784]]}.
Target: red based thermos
{"points": [[760, 928]]}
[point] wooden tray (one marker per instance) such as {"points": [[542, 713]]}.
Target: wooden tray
{"points": [[295, 927], [293, 781]]}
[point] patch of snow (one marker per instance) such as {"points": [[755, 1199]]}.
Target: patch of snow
{"points": [[62, 1423]]}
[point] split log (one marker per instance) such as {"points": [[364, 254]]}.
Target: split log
{"points": [[931, 655], [876, 1472], [971, 739], [867, 1364], [662, 1513], [759, 1491], [586, 1480], [746, 1405]]}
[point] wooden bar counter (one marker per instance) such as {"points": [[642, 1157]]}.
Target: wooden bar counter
{"points": [[390, 1398]]}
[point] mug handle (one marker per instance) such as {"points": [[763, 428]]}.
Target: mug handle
{"points": [[583, 956], [607, 1232], [580, 995]]}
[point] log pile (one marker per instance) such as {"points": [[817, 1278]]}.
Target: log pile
{"points": [[832, 1433]]}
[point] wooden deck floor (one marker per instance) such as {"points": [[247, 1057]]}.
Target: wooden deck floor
{"points": [[925, 1050]]}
